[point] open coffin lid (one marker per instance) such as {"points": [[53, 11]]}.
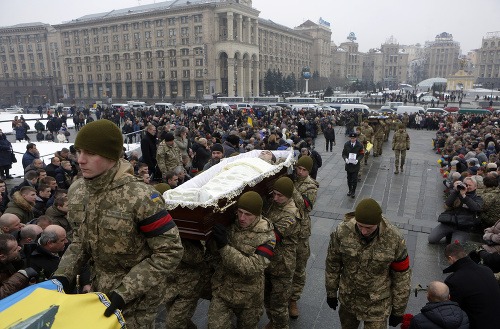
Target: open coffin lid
{"points": [[211, 196]]}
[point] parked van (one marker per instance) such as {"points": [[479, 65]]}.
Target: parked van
{"points": [[410, 109], [394, 105], [432, 110], [164, 106], [355, 108], [117, 106]]}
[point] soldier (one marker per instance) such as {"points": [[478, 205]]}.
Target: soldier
{"points": [[490, 213], [400, 144], [378, 136], [125, 232], [352, 154], [283, 214], [368, 264], [183, 293], [168, 155], [304, 195], [362, 139], [367, 130], [406, 119], [245, 249]]}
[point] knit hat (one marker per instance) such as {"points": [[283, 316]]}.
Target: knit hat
{"points": [[168, 137], [252, 202], [233, 139], [217, 147], [101, 137], [306, 162], [284, 185], [368, 212], [491, 165], [162, 187]]}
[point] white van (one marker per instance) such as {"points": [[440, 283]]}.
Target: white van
{"points": [[355, 108], [164, 106], [220, 106], [410, 109]]}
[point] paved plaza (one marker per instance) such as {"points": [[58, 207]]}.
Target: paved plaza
{"points": [[411, 200]]}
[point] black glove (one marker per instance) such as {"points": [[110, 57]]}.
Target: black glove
{"points": [[65, 283], [117, 303], [395, 320], [29, 272], [333, 302], [220, 235]]}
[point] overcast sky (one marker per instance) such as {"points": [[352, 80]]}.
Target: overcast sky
{"points": [[373, 21]]}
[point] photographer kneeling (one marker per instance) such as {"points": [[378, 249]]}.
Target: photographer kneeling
{"points": [[460, 216]]}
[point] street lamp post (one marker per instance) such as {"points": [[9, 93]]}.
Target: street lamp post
{"points": [[492, 86]]}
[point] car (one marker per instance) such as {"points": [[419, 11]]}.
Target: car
{"points": [[432, 110], [428, 99], [451, 109], [386, 110], [465, 110], [14, 110]]}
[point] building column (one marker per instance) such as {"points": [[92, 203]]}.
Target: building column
{"points": [[156, 89], [217, 27], [239, 28], [230, 24], [247, 68], [113, 89], [218, 84], [230, 77], [255, 78], [254, 40], [248, 23], [241, 77], [134, 89]]}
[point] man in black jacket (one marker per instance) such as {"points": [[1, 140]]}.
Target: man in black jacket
{"points": [[440, 312], [473, 287], [148, 149], [462, 206], [352, 154], [329, 134]]}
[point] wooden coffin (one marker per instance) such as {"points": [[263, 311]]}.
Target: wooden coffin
{"points": [[196, 222]]}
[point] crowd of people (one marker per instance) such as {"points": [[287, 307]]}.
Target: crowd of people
{"points": [[111, 228]]}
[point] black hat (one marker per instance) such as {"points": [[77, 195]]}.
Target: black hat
{"points": [[233, 139], [217, 147], [353, 135]]}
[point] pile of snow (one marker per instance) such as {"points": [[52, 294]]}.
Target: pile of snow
{"points": [[47, 151], [8, 117]]}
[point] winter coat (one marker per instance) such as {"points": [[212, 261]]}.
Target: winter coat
{"points": [[5, 151], [440, 315], [20, 207], [11, 281], [476, 291]]}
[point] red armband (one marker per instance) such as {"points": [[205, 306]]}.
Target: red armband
{"points": [[401, 265]]}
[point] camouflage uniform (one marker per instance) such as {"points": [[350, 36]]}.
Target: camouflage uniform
{"points": [[406, 119], [129, 238], [168, 157], [373, 279], [304, 196], [379, 136], [400, 143], [238, 281], [367, 130], [490, 212], [387, 131], [363, 141], [279, 274], [183, 293]]}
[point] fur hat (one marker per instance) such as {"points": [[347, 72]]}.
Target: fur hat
{"points": [[217, 148], [101, 137], [368, 212]]}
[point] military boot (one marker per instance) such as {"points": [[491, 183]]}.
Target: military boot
{"points": [[396, 171], [293, 310], [402, 169]]}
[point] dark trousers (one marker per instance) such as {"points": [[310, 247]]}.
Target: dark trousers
{"points": [[352, 180], [329, 144]]}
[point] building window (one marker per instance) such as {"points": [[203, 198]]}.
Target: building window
{"points": [[159, 34], [184, 19], [197, 18], [185, 62], [171, 21], [185, 74], [173, 74], [184, 52], [199, 62]]}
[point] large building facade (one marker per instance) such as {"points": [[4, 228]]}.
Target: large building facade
{"points": [[173, 50], [442, 56], [31, 72], [488, 61]]}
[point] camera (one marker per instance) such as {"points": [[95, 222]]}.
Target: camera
{"points": [[461, 186]]}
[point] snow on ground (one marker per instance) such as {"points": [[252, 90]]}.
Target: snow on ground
{"points": [[47, 151], [8, 117]]}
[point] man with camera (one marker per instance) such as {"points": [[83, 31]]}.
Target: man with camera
{"points": [[460, 216]]}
